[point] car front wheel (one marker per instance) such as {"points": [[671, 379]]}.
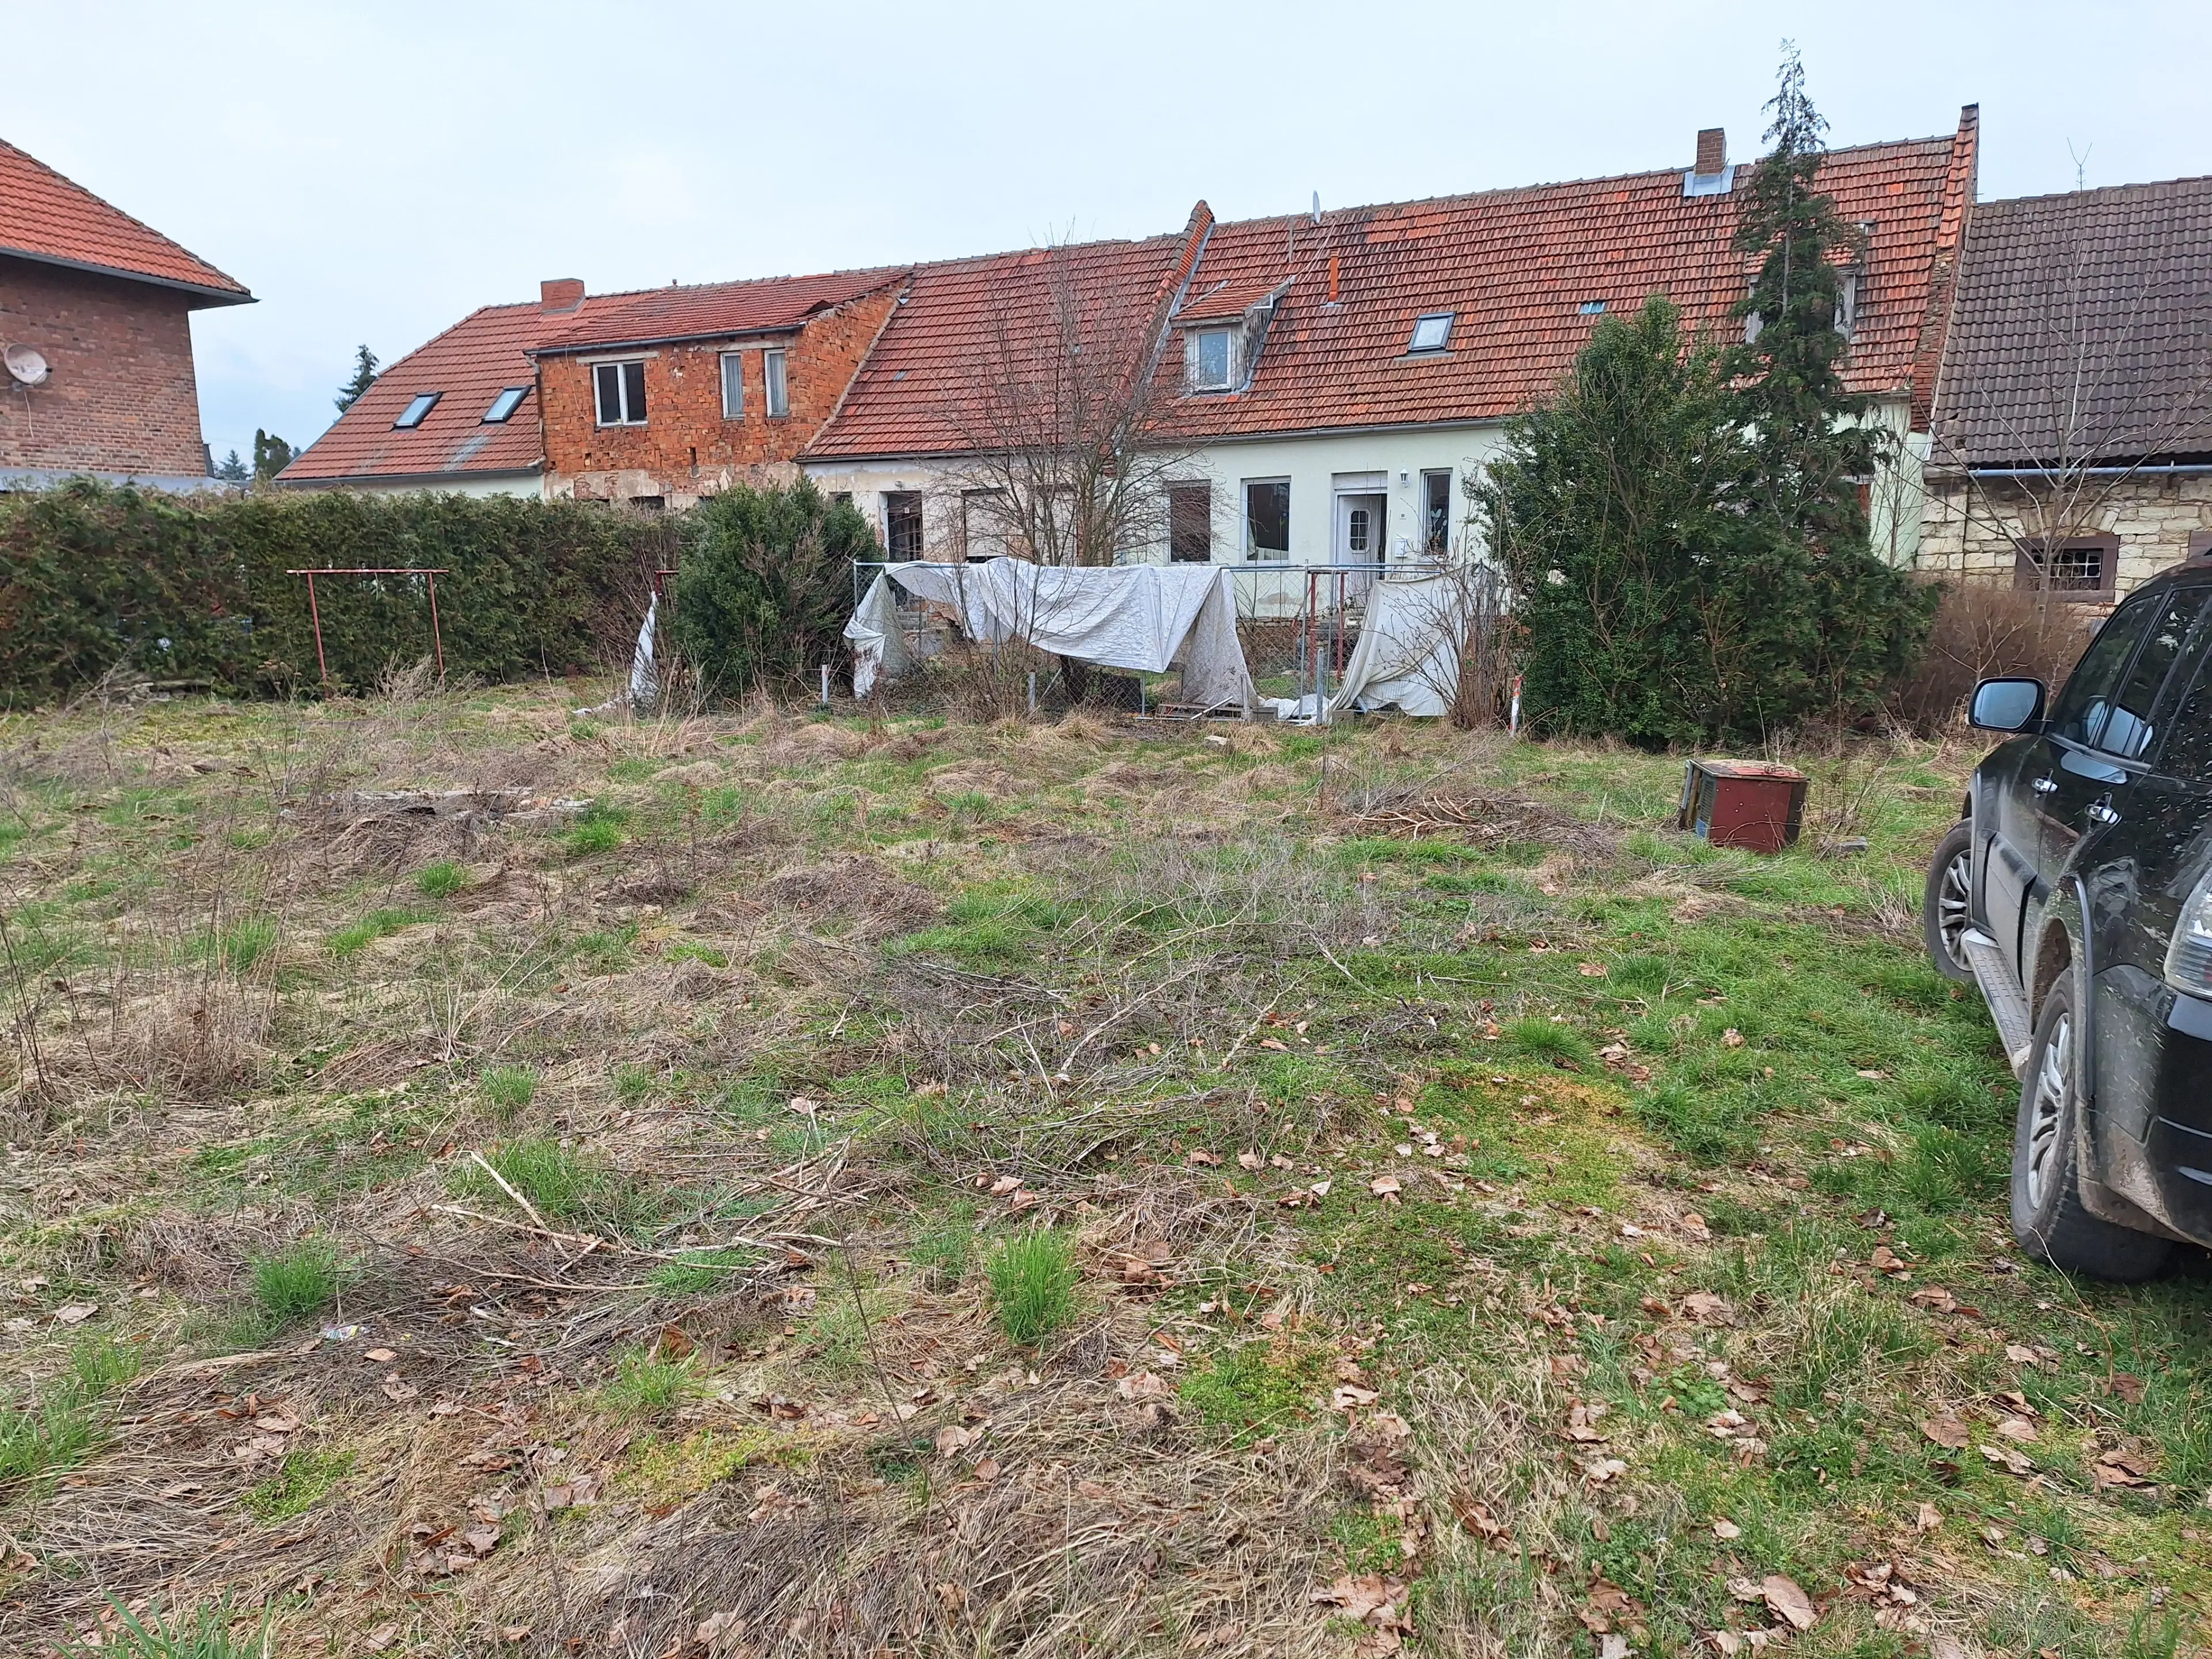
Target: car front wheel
{"points": [[2047, 1214], [1947, 911]]}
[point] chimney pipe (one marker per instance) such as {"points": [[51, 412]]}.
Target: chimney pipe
{"points": [[1712, 151], [559, 294], [1332, 279]]}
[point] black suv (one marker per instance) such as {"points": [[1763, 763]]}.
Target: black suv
{"points": [[2077, 891]]}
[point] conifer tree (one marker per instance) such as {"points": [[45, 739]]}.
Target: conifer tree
{"points": [[364, 376]]}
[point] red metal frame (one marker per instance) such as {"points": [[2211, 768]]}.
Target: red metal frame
{"points": [[315, 614]]}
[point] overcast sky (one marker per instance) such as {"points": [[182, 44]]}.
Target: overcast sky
{"points": [[373, 172]]}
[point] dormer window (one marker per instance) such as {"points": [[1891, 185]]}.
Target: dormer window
{"points": [[1847, 301], [505, 404], [417, 410], [1431, 332], [1210, 361]]}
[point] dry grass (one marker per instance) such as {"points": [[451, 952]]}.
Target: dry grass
{"points": [[816, 1012]]}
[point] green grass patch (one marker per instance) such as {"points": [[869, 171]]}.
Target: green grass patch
{"points": [[701, 1273], [303, 1480], [302, 1279], [1255, 1388], [1032, 1277], [562, 1184], [507, 1089], [597, 828], [357, 936], [646, 1384], [441, 880]]}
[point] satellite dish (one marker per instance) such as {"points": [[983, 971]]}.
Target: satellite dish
{"points": [[25, 365]]}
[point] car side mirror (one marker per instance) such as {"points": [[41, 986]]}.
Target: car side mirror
{"points": [[2009, 705]]}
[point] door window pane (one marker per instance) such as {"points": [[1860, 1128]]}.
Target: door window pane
{"points": [[2086, 703], [1355, 530], [903, 523]]}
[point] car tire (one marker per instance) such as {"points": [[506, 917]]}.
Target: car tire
{"points": [[1947, 907], [2048, 1218]]}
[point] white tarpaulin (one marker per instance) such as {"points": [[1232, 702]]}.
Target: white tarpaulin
{"points": [[1408, 649], [1145, 617], [644, 672]]}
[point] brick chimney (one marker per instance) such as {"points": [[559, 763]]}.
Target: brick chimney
{"points": [[567, 292], [1712, 151]]}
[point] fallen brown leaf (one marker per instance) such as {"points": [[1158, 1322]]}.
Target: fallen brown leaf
{"points": [[1783, 1596]]}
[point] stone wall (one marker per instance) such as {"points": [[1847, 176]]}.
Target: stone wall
{"points": [[1969, 528]]}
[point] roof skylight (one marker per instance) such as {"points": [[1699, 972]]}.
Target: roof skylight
{"points": [[1431, 332], [504, 404], [1592, 307], [413, 415]]}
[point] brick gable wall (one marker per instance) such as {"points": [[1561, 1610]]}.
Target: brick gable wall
{"points": [[121, 396], [686, 449]]}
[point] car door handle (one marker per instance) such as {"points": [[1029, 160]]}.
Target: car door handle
{"points": [[2044, 786], [2100, 810]]}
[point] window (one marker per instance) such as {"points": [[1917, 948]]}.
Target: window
{"points": [[1431, 332], [1591, 307], [1210, 370], [621, 388], [1436, 513], [2082, 568], [903, 523], [733, 385], [778, 391], [1190, 523], [2128, 730], [505, 404], [1266, 518], [1847, 303], [2086, 703], [413, 415], [840, 498]]}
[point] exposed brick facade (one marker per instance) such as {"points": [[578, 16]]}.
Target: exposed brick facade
{"points": [[120, 396], [686, 449]]}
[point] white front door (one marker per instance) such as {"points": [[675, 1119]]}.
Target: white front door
{"points": [[1360, 524]]}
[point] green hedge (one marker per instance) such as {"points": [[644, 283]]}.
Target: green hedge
{"points": [[93, 576]]}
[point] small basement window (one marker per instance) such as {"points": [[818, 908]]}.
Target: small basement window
{"points": [[1431, 332], [777, 386], [621, 389], [2084, 568], [417, 410], [505, 404]]}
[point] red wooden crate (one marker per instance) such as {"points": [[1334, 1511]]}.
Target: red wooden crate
{"points": [[1754, 804]]}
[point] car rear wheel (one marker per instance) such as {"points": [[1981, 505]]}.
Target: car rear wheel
{"points": [[1947, 911], [2047, 1214]]}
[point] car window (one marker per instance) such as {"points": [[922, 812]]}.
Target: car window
{"points": [[2087, 702], [2128, 730], [2189, 742]]}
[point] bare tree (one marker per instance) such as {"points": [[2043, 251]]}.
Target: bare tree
{"points": [[1067, 419]]}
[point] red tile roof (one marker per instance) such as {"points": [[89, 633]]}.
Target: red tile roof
{"points": [[938, 376], [471, 363], [1516, 267], [711, 310], [45, 216]]}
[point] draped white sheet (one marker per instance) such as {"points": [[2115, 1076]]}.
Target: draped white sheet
{"points": [[1146, 618]]}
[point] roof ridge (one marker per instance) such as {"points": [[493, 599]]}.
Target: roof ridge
{"points": [[2086, 196], [1331, 214]]}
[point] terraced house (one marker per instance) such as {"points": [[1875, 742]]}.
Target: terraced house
{"points": [[1316, 388]]}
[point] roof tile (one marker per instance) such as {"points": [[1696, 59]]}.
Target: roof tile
{"points": [[44, 215]]}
